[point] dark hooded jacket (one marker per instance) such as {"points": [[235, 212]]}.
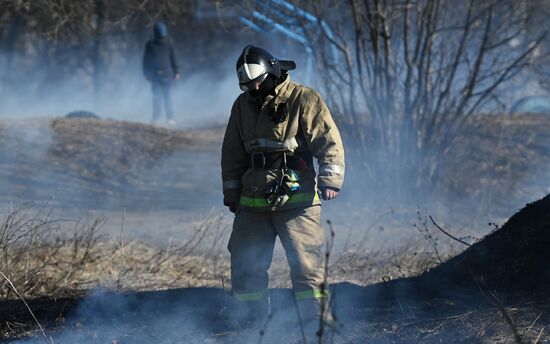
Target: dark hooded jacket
{"points": [[159, 59]]}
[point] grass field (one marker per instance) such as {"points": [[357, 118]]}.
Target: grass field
{"points": [[135, 210]]}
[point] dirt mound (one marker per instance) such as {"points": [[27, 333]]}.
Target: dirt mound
{"points": [[512, 258], [82, 114], [112, 150]]}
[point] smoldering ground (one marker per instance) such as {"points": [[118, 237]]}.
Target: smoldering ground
{"points": [[455, 302]]}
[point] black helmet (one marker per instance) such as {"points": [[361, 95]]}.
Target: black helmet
{"points": [[256, 63]]}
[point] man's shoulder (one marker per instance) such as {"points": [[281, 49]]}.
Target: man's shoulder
{"points": [[150, 46], [240, 98], [304, 92], [152, 43]]}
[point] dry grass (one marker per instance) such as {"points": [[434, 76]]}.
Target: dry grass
{"points": [[50, 257], [41, 255], [87, 260], [498, 160], [138, 266]]}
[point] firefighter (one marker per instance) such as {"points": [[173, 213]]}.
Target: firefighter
{"points": [[275, 130], [160, 67]]}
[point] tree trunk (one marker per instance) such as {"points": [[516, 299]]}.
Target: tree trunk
{"points": [[14, 32], [97, 58]]}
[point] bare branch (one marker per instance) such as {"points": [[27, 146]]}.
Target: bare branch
{"points": [[447, 233]]}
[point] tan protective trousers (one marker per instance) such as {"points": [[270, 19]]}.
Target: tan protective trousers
{"points": [[252, 242]]}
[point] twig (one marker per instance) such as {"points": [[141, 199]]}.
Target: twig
{"points": [[226, 303], [302, 331], [533, 324], [324, 286], [488, 293], [539, 336], [122, 239], [263, 330], [448, 234], [428, 236], [121, 271], [48, 340], [442, 319]]}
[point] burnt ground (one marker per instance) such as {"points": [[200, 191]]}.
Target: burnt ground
{"points": [[364, 314], [494, 292]]}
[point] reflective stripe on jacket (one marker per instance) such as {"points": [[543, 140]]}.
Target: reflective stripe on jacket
{"points": [[308, 127]]}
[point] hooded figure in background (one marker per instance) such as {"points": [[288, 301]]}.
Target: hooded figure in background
{"points": [[275, 130], [161, 69]]}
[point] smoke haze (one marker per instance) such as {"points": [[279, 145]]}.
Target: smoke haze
{"points": [[155, 185]]}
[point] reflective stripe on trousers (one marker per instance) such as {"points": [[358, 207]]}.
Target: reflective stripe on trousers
{"points": [[254, 296], [311, 294], [299, 295]]}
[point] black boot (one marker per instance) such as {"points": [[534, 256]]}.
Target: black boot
{"points": [[249, 314], [315, 318]]}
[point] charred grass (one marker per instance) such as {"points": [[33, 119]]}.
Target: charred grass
{"points": [[56, 263]]}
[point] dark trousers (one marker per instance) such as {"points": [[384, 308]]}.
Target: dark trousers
{"points": [[162, 94]]}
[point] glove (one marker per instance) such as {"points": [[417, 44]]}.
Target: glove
{"points": [[233, 207]]}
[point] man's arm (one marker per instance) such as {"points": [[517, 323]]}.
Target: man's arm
{"points": [[234, 160], [325, 143], [174, 62], [147, 61]]}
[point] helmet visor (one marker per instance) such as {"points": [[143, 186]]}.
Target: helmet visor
{"points": [[248, 72], [253, 84]]}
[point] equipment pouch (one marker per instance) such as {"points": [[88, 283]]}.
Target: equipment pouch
{"points": [[281, 189], [291, 180]]}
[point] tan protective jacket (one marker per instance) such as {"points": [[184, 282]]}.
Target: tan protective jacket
{"points": [[308, 127]]}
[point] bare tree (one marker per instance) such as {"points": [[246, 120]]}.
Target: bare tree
{"points": [[88, 39], [405, 76]]}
